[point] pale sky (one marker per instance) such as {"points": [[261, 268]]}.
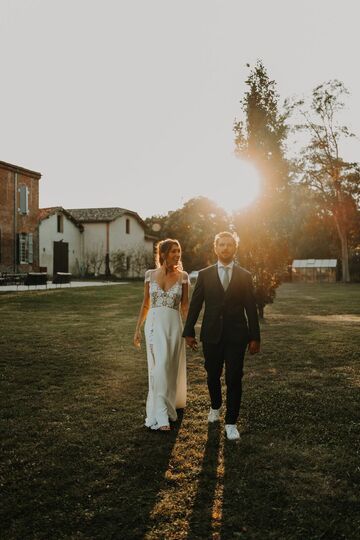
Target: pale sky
{"points": [[132, 103]]}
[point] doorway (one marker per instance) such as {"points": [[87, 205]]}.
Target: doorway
{"points": [[61, 257]]}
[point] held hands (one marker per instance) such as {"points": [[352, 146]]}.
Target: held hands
{"points": [[192, 343], [254, 347], [137, 339]]}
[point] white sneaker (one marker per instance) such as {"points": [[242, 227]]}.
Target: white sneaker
{"points": [[214, 415], [232, 432]]}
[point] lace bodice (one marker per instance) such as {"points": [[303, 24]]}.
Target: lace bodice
{"points": [[170, 298]]}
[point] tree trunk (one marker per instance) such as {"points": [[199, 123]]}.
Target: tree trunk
{"points": [[344, 250], [345, 259]]}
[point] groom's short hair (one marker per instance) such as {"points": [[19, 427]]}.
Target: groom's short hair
{"points": [[227, 234]]}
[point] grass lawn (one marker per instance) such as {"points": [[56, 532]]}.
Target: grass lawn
{"points": [[76, 461]]}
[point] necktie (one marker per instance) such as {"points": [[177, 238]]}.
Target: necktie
{"points": [[226, 280]]}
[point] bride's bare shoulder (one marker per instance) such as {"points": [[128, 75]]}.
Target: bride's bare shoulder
{"points": [[185, 277], [149, 273]]}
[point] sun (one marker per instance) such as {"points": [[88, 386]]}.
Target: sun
{"points": [[235, 187]]}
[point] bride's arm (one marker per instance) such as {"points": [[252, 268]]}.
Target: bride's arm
{"points": [[142, 315], [185, 300]]}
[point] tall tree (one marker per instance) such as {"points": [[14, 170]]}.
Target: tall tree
{"points": [[313, 233], [261, 251], [263, 228], [261, 138], [334, 181]]}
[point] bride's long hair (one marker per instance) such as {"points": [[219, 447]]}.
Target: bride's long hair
{"points": [[163, 249]]}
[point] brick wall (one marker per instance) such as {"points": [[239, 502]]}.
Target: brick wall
{"points": [[12, 221], [6, 219]]}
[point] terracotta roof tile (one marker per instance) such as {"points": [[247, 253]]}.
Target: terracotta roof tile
{"points": [[100, 214]]}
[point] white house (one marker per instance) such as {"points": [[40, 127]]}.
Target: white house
{"points": [[111, 232], [60, 241], [98, 240]]}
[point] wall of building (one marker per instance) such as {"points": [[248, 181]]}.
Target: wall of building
{"points": [[7, 220], [96, 236], [120, 239], [149, 245], [313, 275], [133, 243], [94, 247], [71, 234], [13, 222]]}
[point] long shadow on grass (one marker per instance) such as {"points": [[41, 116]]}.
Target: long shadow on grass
{"points": [[200, 523], [101, 484], [283, 479], [138, 482]]}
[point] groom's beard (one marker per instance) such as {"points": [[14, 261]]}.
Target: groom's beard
{"points": [[226, 260]]}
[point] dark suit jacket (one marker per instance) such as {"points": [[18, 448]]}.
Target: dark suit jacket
{"points": [[231, 315]]}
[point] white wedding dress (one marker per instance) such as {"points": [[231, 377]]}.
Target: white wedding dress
{"points": [[165, 350]]}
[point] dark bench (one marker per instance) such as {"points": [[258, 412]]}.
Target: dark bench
{"points": [[10, 278], [35, 278], [62, 277]]}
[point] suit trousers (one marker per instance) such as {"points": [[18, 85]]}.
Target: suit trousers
{"points": [[232, 355]]}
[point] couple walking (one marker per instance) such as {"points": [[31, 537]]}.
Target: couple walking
{"points": [[230, 326]]}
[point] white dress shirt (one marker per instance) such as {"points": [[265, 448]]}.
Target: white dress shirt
{"points": [[220, 268]]}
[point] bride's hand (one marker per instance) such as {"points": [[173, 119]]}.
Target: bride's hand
{"points": [[137, 339]]}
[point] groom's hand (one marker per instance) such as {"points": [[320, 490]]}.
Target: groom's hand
{"points": [[191, 342], [254, 347]]}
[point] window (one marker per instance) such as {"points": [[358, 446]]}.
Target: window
{"points": [[60, 223], [23, 199], [127, 226], [22, 248], [25, 245]]}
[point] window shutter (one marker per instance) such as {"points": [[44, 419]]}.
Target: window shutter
{"points": [[24, 199], [30, 247]]}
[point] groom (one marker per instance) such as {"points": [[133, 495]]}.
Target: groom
{"points": [[230, 325]]}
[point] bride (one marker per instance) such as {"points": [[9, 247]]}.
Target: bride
{"points": [[166, 293]]}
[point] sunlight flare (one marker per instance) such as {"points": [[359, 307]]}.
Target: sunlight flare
{"points": [[237, 186]]}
